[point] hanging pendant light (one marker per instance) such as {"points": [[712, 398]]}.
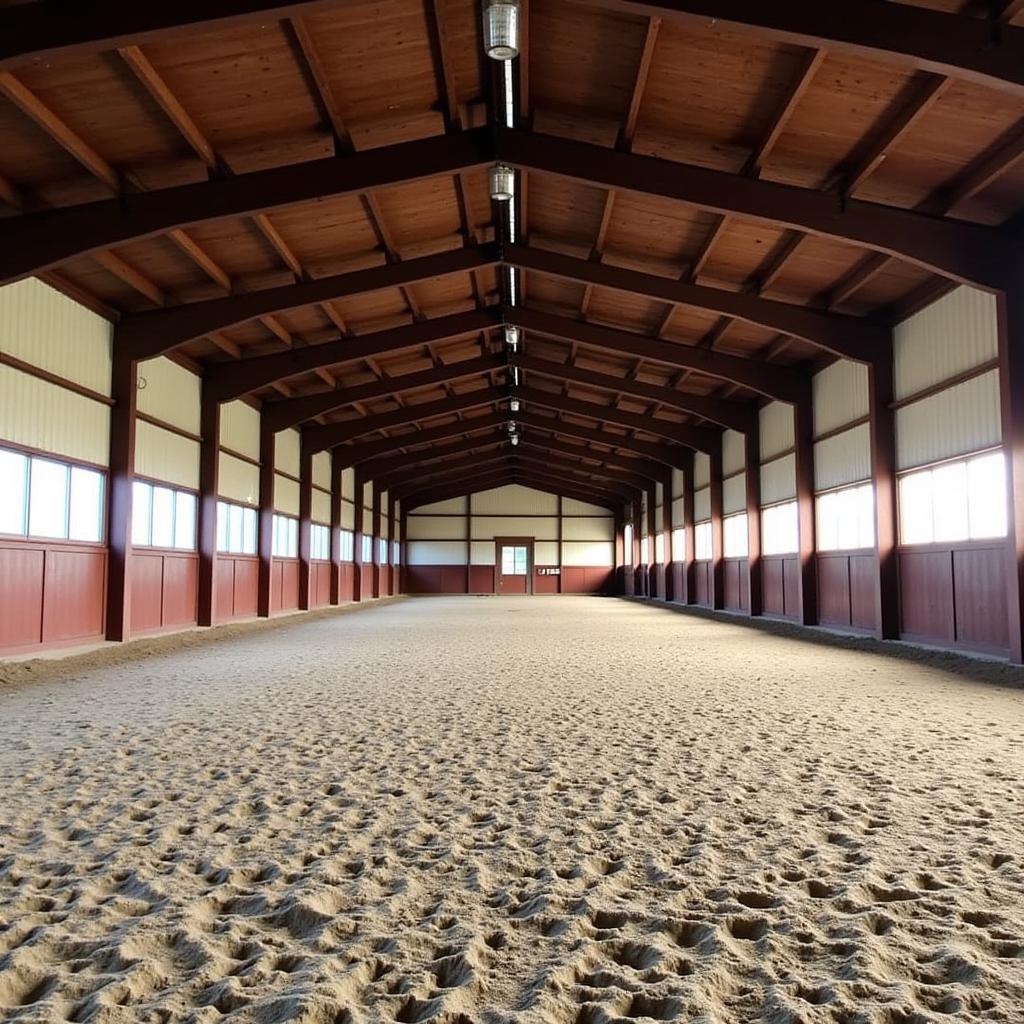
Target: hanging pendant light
{"points": [[501, 29], [512, 337], [503, 183], [515, 440], [512, 427], [514, 405]]}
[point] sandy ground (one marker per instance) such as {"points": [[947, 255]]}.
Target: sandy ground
{"points": [[559, 810]]}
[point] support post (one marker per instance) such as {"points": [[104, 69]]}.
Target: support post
{"points": [[375, 546], [403, 576], [620, 554], [265, 530], [665, 569], [803, 433], [717, 535], [357, 539], [689, 540], [305, 524], [124, 389], [209, 488], [336, 470], [755, 587], [883, 475]]}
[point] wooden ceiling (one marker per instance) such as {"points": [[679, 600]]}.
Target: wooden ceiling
{"points": [[712, 199]]}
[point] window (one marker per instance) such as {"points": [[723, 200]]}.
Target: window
{"points": [[163, 517], [513, 560], [320, 542], [962, 500], [45, 498], [645, 549], [286, 537], [367, 550], [236, 529], [702, 542], [382, 551], [780, 529], [678, 545], [347, 547], [846, 519], [735, 536], [627, 544], [396, 553], [659, 548]]}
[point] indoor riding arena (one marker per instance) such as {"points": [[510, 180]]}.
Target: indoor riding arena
{"points": [[512, 511]]}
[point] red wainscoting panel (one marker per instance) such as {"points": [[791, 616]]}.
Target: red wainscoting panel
{"points": [[319, 584], [834, 590], [366, 584], [345, 578], [284, 585], [589, 579], [74, 594], [164, 590], [437, 579], [863, 580], [545, 584], [21, 596], [982, 616], [147, 592], [926, 595], [773, 585], [737, 585], [236, 582], [702, 583], [481, 579], [678, 589]]}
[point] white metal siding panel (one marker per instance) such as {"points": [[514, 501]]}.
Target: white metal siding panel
{"points": [[41, 415], [161, 455], [840, 395], [451, 506], [582, 553], [435, 552], [734, 494], [240, 428], [777, 431], [701, 470], [733, 452], [348, 515], [482, 552], [702, 505], [286, 495], [367, 521], [46, 329], [514, 499], [238, 480], [321, 511], [538, 527], [843, 459], [954, 334], [957, 421], [778, 480], [572, 507], [545, 552], [348, 483], [286, 451], [659, 493], [678, 483], [602, 529], [436, 528], [368, 494], [172, 393], [322, 470], [677, 512]]}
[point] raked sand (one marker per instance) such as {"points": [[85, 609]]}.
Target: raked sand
{"points": [[561, 810]]}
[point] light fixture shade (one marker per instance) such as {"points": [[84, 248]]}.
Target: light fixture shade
{"points": [[503, 183], [514, 405], [512, 337], [512, 427], [515, 440], [501, 29]]}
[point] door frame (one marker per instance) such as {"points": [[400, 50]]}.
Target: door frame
{"points": [[527, 542]]}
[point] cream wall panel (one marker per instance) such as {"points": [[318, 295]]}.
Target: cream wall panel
{"points": [[734, 456], [321, 510], [452, 506], [322, 470], [677, 511], [348, 483], [240, 428], [702, 505], [435, 552], [659, 493], [46, 329], [776, 428], [840, 395], [545, 552], [514, 499], [572, 507], [481, 552], [778, 480], [286, 451], [368, 494], [538, 527], [701, 470], [286, 495], [954, 334], [439, 527], [172, 393], [367, 522], [576, 553], [734, 494], [41, 415], [957, 421], [161, 455], [678, 483], [348, 515], [843, 459], [596, 528], [238, 480]]}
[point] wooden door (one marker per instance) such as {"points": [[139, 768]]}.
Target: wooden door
{"points": [[513, 565]]}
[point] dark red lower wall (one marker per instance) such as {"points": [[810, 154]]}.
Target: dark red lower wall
{"points": [[955, 596], [346, 575], [164, 590], [587, 579], [846, 589], [452, 579], [737, 585], [780, 585], [236, 579], [702, 584], [284, 585], [51, 594], [481, 579], [436, 579], [319, 584]]}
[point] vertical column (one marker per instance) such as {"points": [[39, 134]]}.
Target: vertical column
{"points": [[717, 536], [469, 543], [209, 487], [336, 470], [620, 554], [375, 555], [392, 535], [636, 569], [561, 517], [803, 433], [403, 581], [755, 587], [305, 522], [357, 539], [883, 474], [689, 570], [124, 389], [651, 569], [1011, 384], [265, 541], [667, 591]]}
